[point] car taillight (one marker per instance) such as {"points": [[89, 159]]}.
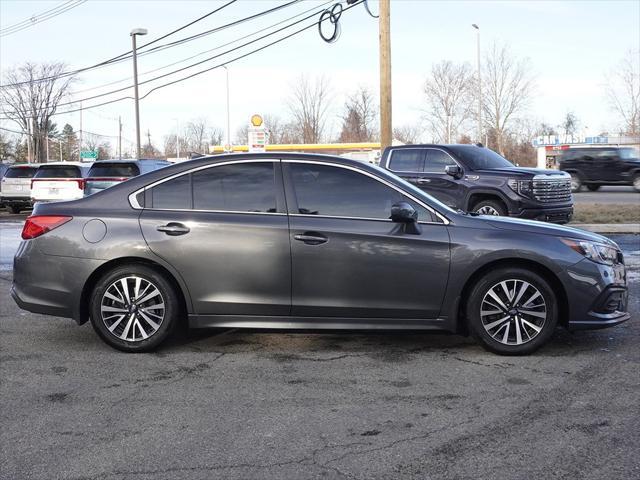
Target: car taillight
{"points": [[37, 225], [81, 183]]}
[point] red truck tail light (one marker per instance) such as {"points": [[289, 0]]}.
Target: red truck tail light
{"points": [[37, 225]]}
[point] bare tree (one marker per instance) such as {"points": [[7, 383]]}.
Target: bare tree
{"points": [[197, 131], [623, 92], [359, 117], [274, 126], [216, 136], [508, 86], [407, 134], [97, 143], [31, 102], [449, 98], [570, 124], [308, 105]]}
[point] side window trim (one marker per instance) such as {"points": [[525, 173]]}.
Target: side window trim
{"points": [[426, 160], [147, 189], [293, 202]]}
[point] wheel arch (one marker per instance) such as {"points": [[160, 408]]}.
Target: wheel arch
{"points": [[83, 308], [532, 265], [481, 195]]}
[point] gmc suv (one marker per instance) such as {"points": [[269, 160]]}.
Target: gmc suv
{"points": [[595, 167], [478, 180]]}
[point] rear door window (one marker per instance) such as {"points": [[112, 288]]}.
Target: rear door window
{"points": [[173, 194], [20, 172], [118, 170], [407, 160], [241, 187], [58, 171]]}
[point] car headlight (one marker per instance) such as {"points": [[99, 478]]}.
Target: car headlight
{"points": [[598, 252], [523, 187]]}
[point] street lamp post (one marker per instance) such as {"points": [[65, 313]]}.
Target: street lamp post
{"points": [[228, 146], [178, 139], [479, 85], [134, 33]]}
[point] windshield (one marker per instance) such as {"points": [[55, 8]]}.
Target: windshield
{"points": [[415, 191], [480, 158], [20, 172], [58, 171], [628, 153]]}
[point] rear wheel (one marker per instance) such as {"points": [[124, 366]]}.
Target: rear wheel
{"points": [[636, 182], [134, 308], [490, 207], [13, 209], [593, 188], [576, 182], [512, 311]]}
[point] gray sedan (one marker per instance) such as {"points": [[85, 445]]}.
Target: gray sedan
{"points": [[307, 242]]}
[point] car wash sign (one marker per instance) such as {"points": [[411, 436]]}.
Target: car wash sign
{"points": [[258, 135]]}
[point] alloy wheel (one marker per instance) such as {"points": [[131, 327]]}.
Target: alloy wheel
{"points": [[487, 210], [132, 308], [513, 312]]}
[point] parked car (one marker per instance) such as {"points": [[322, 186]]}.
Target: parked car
{"points": [[15, 187], [107, 173], [59, 181], [598, 166], [477, 179], [283, 240]]}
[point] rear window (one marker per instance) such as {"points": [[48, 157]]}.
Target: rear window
{"points": [[58, 171], [114, 170], [20, 172]]}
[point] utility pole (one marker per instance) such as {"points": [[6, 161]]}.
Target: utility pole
{"points": [[386, 132], [119, 138], [479, 86], [135, 32], [178, 138], [228, 146], [46, 139], [29, 139]]}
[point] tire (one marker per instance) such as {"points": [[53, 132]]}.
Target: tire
{"points": [[490, 322], [108, 300], [593, 188], [636, 182], [490, 207], [576, 182], [13, 209]]}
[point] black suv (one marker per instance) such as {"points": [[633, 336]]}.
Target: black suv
{"points": [[599, 166], [475, 179]]}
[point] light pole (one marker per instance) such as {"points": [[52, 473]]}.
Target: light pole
{"points": [[178, 139], [479, 86], [228, 146], [134, 33]]}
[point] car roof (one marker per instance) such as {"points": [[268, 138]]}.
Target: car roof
{"points": [[25, 165], [73, 164], [132, 160]]}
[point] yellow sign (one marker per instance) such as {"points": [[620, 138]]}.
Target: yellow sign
{"points": [[256, 120]]}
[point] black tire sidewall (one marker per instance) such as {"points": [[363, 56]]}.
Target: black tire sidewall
{"points": [[495, 204], [593, 188], [172, 308], [489, 280]]}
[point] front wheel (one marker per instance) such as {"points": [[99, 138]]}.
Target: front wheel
{"points": [[512, 311], [134, 308], [636, 182], [490, 207], [576, 183]]}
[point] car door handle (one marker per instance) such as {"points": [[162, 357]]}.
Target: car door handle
{"points": [[422, 181], [311, 238], [173, 228]]}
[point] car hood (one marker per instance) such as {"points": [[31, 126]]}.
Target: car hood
{"points": [[542, 228], [522, 171]]}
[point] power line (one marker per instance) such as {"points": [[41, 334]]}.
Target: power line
{"points": [[125, 56], [115, 82], [314, 24], [36, 19], [194, 64]]}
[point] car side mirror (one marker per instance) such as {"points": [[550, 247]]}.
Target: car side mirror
{"points": [[454, 170], [403, 212]]}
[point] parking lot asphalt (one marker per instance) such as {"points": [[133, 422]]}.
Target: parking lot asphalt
{"points": [[267, 405]]}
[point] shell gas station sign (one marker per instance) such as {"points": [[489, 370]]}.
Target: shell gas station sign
{"points": [[258, 135]]}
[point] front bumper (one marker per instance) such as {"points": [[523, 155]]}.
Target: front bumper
{"points": [[597, 295]]}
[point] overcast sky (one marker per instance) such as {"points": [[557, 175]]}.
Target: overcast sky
{"points": [[572, 46]]}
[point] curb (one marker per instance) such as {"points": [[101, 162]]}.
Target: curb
{"points": [[632, 228]]}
